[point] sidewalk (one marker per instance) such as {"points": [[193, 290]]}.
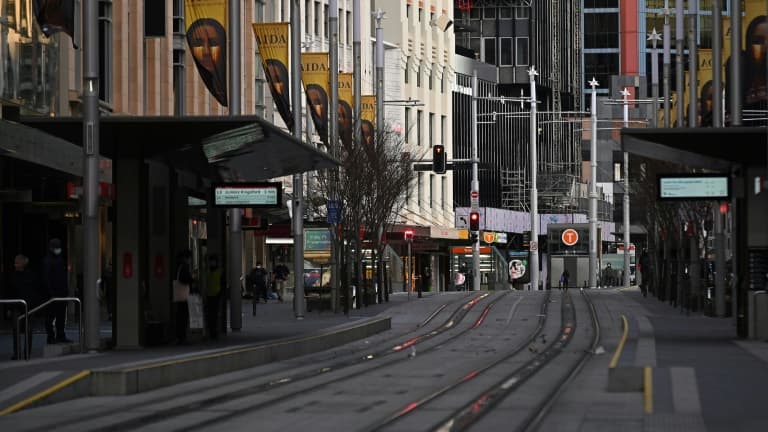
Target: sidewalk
{"points": [[273, 321]]}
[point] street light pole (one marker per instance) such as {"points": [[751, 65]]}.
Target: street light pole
{"points": [[680, 86], [625, 94], [475, 186], [593, 191], [298, 179], [333, 139], [533, 243], [654, 38], [667, 67]]}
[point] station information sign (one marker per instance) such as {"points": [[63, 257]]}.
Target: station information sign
{"points": [[247, 194], [694, 187]]}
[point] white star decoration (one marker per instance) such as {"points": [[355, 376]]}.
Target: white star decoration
{"points": [[654, 36], [532, 71], [625, 93], [593, 83]]}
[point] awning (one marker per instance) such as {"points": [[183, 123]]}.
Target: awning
{"points": [[178, 141], [711, 148]]}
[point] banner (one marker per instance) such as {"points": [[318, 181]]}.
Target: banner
{"points": [[346, 101], [207, 39], [55, 16], [272, 40], [368, 117], [315, 74], [754, 43]]}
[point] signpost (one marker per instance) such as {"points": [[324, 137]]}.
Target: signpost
{"points": [[474, 199], [240, 195], [570, 237]]}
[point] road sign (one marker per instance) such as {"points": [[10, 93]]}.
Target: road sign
{"points": [[474, 199], [489, 237], [570, 237], [334, 211], [534, 246]]}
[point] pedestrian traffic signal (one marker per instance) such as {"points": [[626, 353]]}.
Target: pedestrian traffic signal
{"points": [[474, 221], [473, 237], [408, 235], [438, 159]]}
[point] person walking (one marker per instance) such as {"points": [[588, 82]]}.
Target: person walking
{"points": [[564, 280], [181, 288], [258, 282], [281, 275], [22, 284], [55, 282]]}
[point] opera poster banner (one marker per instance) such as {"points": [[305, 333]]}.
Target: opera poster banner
{"points": [[55, 16], [272, 40], [754, 43], [346, 101], [368, 118], [315, 74], [206, 22]]}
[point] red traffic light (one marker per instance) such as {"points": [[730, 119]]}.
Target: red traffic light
{"points": [[408, 234], [724, 207], [474, 221]]}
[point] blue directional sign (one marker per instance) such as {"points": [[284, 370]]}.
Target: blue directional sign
{"points": [[334, 211]]}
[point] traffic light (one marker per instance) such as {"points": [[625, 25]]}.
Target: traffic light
{"points": [[474, 221], [408, 235], [473, 237], [438, 159]]}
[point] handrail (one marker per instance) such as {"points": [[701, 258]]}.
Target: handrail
{"points": [[26, 329], [65, 299]]}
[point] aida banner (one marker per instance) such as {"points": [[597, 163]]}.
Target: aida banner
{"points": [[315, 74], [368, 117], [55, 16], [346, 101], [272, 40], [207, 39]]}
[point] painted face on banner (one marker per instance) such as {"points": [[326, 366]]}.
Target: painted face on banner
{"points": [[207, 45]]}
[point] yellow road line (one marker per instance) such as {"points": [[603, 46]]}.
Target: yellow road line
{"points": [[617, 354], [648, 389], [45, 393]]}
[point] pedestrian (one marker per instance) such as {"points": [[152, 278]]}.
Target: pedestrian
{"points": [[258, 282], [213, 296], [564, 280], [645, 272], [22, 284], [55, 282], [182, 285], [281, 275]]}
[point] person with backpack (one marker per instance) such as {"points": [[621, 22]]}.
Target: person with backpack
{"points": [[258, 282]]}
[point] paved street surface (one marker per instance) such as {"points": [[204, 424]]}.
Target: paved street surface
{"points": [[446, 358]]}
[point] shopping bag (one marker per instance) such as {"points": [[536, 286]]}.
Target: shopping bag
{"points": [[195, 305]]}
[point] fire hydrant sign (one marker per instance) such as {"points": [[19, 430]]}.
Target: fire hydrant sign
{"points": [[570, 237]]}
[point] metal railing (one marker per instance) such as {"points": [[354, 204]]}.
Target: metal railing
{"points": [[54, 300], [26, 329]]}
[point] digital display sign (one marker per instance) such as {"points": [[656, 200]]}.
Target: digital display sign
{"points": [[694, 187], [247, 195]]}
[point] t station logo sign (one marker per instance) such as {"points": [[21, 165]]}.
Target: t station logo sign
{"points": [[570, 237]]}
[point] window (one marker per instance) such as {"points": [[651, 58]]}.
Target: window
{"points": [[418, 127], [522, 13], [617, 171], [407, 123], [489, 12], [442, 82], [505, 58], [431, 127], [419, 188], [325, 20], [316, 29], [601, 30], [489, 50], [408, 12], [521, 51], [407, 68], [444, 192], [421, 14], [349, 28], [475, 13], [418, 76], [431, 76], [307, 5], [442, 130], [105, 50], [505, 12], [431, 188]]}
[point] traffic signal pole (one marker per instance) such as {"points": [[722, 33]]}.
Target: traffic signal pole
{"points": [[475, 187], [534, 242]]}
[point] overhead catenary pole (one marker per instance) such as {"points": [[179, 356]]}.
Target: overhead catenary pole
{"points": [[380, 95], [333, 24], [654, 38], [475, 186], [735, 83], [356, 71], [717, 61], [593, 190], [679, 82], [533, 243], [91, 175], [235, 215], [667, 67], [625, 94], [692, 64], [298, 184]]}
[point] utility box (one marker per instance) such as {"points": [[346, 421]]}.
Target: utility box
{"points": [[758, 315]]}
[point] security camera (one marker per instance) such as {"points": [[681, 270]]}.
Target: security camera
{"points": [[442, 22]]}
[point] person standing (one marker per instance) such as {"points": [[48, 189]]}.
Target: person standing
{"points": [[181, 288], [564, 280], [55, 282], [22, 284], [258, 281], [213, 296]]}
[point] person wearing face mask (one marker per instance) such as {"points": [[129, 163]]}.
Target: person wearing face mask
{"points": [[55, 280]]}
